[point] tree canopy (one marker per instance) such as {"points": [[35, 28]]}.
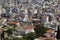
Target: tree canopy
{"points": [[40, 30]]}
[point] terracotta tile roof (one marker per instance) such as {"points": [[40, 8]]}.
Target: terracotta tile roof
{"points": [[29, 27], [12, 23], [49, 31]]}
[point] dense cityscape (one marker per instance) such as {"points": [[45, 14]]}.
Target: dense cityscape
{"points": [[29, 19]]}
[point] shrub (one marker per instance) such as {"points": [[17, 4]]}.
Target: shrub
{"points": [[29, 36]]}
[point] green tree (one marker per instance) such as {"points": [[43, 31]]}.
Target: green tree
{"points": [[13, 25], [40, 30], [15, 38], [30, 36], [10, 31], [7, 39]]}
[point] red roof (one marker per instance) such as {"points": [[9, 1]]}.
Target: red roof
{"points": [[12, 23], [29, 27], [49, 31], [22, 16]]}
